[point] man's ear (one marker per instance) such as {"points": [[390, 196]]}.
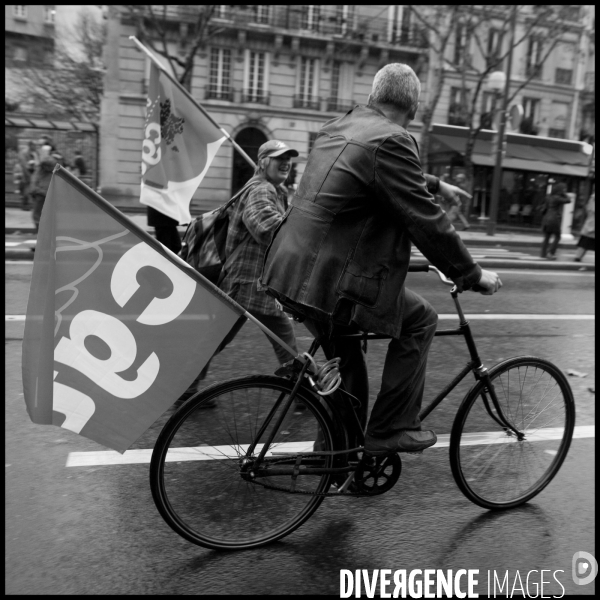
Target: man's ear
{"points": [[412, 113]]}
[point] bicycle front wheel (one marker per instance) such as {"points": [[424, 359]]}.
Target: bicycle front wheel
{"points": [[491, 465], [199, 468]]}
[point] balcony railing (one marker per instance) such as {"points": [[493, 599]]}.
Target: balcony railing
{"points": [[215, 93], [337, 105], [304, 101], [255, 97]]}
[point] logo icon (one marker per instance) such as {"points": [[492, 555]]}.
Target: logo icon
{"points": [[585, 568]]}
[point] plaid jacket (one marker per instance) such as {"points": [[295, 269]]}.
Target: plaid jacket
{"points": [[253, 219]]}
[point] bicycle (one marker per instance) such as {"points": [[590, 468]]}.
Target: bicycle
{"points": [[252, 470]]}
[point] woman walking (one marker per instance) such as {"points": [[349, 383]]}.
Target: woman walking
{"points": [[552, 209]]}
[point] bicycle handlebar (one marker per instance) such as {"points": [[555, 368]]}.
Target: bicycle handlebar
{"points": [[426, 269]]}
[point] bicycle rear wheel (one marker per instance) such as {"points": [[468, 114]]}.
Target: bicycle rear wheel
{"points": [[197, 463], [491, 466]]}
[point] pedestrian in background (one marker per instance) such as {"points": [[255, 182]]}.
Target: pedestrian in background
{"points": [[27, 163], [587, 241], [41, 182], [165, 229], [456, 209], [253, 219], [79, 169], [552, 209]]}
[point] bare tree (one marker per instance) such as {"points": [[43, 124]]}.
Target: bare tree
{"points": [[177, 32], [469, 22], [72, 86]]}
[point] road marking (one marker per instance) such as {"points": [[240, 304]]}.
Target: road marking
{"points": [[519, 317], [444, 317], [132, 457]]}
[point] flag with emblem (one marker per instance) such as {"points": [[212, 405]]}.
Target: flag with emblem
{"points": [[117, 326], [180, 142]]}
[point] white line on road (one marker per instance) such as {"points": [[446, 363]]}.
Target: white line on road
{"points": [[449, 316], [132, 457]]}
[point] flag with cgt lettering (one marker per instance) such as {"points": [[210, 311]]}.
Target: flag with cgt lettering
{"points": [[117, 326], [180, 142]]}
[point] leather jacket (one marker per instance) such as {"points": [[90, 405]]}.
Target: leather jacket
{"points": [[343, 248]]}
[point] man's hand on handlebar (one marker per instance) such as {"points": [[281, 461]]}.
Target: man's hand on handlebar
{"points": [[452, 193], [488, 284]]}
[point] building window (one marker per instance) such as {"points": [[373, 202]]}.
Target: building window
{"points": [[255, 77], [307, 96], [219, 86], [563, 76], [261, 13], [399, 24], [559, 113], [461, 43], [494, 48], [19, 11], [222, 11], [459, 106], [488, 107], [340, 99], [533, 67], [311, 17], [344, 18], [49, 13], [531, 116]]}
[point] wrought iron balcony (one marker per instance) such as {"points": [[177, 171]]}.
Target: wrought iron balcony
{"points": [[305, 101], [218, 93], [563, 76], [256, 97], [338, 105]]}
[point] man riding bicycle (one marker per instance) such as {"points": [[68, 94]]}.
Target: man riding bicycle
{"points": [[341, 254]]}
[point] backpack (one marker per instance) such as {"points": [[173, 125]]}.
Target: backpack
{"points": [[203, 244]]}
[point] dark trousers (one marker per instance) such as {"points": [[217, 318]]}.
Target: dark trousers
{"points": [[280, 325], [553, 246], [399, 400], [169, 236], [38, 205]]}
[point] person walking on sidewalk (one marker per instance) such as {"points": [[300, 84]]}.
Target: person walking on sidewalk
{"points": [[552, 209], [460, 209], [587, 241], [28, 161]]}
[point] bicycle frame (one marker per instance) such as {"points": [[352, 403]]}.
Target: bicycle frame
{"points": [[475, 365]]}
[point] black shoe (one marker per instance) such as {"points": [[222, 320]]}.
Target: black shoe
{"points": [[401, 441]]}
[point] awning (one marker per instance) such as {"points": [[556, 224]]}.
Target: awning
{"points": [[542, 155]]}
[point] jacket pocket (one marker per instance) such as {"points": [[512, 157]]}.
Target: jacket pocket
{"points": [[361, 284]]}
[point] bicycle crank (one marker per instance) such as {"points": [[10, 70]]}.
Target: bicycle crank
{"points": [[377, 474]]}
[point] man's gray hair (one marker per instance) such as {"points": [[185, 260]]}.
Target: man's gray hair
{"points": [[396, 84]]}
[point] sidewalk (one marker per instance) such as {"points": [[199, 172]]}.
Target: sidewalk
{"points": [[489, 251]]}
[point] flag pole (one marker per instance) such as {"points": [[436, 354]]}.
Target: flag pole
{"points": [[199, 106]]}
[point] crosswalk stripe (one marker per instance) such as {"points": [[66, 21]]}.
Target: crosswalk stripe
{"points": [[131, 457]]}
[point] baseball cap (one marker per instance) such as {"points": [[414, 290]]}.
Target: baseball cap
{"points": [[275, 148]]}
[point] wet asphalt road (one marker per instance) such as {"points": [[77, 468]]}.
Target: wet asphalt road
{"points": [[95, 530]]}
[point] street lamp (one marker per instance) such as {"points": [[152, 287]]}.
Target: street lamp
{"points": [[497, 81]]}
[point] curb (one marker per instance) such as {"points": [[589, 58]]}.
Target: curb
{"points": [[475, 243], [485, 263]]}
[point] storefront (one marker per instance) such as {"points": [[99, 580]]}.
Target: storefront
{"points": [[529, 168]]}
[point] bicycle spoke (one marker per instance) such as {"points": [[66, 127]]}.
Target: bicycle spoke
{"points": [[505, 471]]}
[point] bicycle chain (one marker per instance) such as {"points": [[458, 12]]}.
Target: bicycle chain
{"points": [[324, 494]]}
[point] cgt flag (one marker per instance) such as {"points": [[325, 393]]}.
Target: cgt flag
{"points": [[180, 142], [117, 326]]}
